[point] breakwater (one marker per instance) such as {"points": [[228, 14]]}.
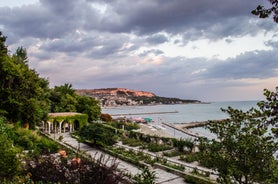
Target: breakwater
{"points": [[185, 127], [184, 130]]}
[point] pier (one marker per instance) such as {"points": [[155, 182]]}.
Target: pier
{"points": [[184, 127], [184, 130]]}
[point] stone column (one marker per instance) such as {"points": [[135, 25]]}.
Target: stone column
{"points": [[60, 126], [49, 124]]}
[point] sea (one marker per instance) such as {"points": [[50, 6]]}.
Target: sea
{"points": [[180, 113]]}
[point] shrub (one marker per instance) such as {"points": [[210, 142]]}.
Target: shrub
{"points": [[196, 180], [172, 153], [131, 142], [190, 157], [145, 177], [47, 146], [157, 147]]}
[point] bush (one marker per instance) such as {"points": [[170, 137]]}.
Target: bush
{"points": [[131, 142], [145, 177], [190, 157], [196, 180], [157, 147], [47, 146], [172, 153], [99, 134]]}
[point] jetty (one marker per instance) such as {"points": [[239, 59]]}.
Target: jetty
{"points": [[184, 130], [185, 127], [144, 113]]}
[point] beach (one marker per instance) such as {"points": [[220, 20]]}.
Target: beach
{"points": [[155, 130]]}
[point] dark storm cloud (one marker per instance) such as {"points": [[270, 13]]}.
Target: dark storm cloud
{"points": [[157, 39], [54, 19], [176, 16], [256, 64]]}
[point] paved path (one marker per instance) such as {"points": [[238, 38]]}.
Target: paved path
{"points": [[163, 177], [189, 167]]}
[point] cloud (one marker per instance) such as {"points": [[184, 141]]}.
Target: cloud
{"points": [[172, 48], [257, 64]]}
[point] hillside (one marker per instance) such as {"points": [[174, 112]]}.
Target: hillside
{"points": [[123, 96]]}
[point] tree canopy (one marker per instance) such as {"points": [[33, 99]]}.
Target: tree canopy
{"points": [[23, 95], [64, 99], [245, 148]]}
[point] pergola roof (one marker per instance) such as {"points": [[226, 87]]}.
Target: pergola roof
{"points": [[63, 114], [68, 116]]}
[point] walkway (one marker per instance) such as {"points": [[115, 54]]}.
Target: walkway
{"points": [[189, 167], [163, 177]]}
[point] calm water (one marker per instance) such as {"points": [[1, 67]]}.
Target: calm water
{"points": [[185, 113]]}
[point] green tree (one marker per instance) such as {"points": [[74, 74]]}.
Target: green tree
{"points": [[23, 94], [98, 133], [263, 12], [63, 99], [244, 149], [89, 106]]}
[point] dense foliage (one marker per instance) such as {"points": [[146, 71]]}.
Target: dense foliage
{"points": [[64, 99], [98, 134], [26, 98], [23, 94], [9, 162], [245, 146], [161, 100]]}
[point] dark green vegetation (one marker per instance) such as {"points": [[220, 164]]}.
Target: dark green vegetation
{"points": [[245, 145], [146, 177], [161, 100], [13, 141], [64, 99], [25, 98], [98, 134]]}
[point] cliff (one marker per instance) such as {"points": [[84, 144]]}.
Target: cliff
{"points": [[123, 92], [123, 96]]}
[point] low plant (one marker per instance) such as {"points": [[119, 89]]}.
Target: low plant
{"points": [[131, 142], [158, 147], [145, 177], [190, 157], [196, 180], [172, 153], [174, 166]]}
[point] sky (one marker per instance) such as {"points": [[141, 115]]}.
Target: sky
{"points": [[205, 50]]}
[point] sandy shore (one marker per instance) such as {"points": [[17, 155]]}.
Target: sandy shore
{"points": [[154, 129]]}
